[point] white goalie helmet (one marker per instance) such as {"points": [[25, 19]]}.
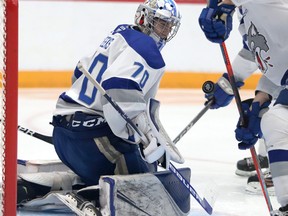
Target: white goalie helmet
{"points": [[159, 19]]}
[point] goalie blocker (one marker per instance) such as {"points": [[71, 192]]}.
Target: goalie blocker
{"points": [[160, 193]]}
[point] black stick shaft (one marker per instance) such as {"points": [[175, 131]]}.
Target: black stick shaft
{"points": [[29, 132]]}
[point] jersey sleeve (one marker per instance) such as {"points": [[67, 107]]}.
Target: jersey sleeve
{"points": [[244, 65], [267, 86], [131, 80]]}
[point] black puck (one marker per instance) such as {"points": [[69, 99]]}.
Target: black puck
{"points": [[208, 87]]}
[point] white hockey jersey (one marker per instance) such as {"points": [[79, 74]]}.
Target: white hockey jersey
{"points": [[129, 66], [264, 27]]}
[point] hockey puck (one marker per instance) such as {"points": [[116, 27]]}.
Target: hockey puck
{"points": [[208, 87]]}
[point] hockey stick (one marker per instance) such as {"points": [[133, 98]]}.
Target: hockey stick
{"points": [[172, 168], [208, 87], [29, 132], [196, 118], [48, 139], [213, 4], [112, 102], [203, 202], [242, 122]]}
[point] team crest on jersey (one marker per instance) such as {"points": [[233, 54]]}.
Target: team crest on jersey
{"points": [[106, 43], [258, 44]]}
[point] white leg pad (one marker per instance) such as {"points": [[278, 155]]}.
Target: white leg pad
{"points": [[141, 194], [55, 180], [33, 166]]}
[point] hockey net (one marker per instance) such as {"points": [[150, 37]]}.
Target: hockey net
{"points": [[8, 104]]}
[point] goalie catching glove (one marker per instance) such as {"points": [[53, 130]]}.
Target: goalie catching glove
{"points": [[157, 144]]}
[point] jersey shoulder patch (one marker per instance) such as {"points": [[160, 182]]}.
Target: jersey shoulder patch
{"points": [[144, 45]]}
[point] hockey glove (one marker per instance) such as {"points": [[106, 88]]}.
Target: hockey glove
{"points": [[153, 151], [216, 23], [249, 133], [159, 144], [223, 93]]}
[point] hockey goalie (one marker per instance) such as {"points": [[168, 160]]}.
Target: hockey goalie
{"points": [[111, 139], [52, 186]]}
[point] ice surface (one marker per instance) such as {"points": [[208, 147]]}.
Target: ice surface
{"points": [[209, 147]]}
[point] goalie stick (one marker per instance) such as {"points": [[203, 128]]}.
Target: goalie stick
{"points": [[203, 202], [48, 139], [208, 87]]}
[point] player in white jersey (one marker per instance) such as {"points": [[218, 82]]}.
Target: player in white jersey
{"points": [[263, 28], [89, 135]]}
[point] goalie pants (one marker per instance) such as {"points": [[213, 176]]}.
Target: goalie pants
{"points": [[95, 151]]}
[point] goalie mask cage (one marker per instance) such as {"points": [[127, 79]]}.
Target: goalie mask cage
{"points": [[9, 104]]}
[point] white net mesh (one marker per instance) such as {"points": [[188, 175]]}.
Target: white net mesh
{"points": [[8, 104], [2, 92]]}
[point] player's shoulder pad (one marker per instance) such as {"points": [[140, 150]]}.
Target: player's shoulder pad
{"points": [[143, 44]]}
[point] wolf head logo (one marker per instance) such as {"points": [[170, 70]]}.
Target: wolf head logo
{"points": [[258, 44]]}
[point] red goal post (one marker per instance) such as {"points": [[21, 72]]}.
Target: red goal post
{"points": [[9, 104]]}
